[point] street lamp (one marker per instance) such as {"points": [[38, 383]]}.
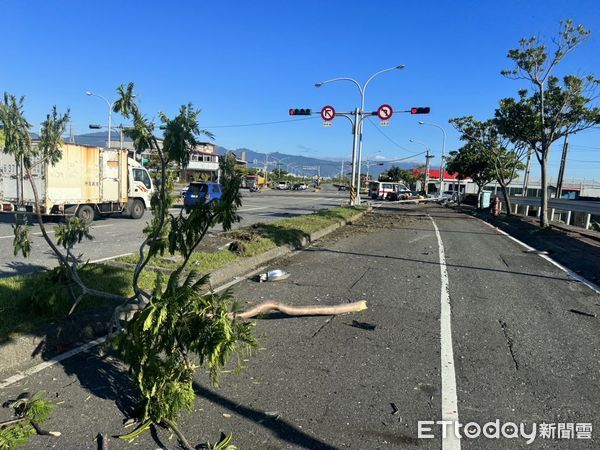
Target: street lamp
{"points": [[358, 125], [110, 107], [443, 151]]}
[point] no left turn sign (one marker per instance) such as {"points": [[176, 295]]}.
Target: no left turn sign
{"points": [[385, 112], [328, 113]]}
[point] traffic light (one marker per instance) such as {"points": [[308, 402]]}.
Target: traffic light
{"points": [[424, 110], [300, 112]]}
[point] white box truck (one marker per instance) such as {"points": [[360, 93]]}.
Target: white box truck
{"points": [[87, 182]]}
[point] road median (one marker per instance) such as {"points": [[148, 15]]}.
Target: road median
{"points": [[38, 304]]}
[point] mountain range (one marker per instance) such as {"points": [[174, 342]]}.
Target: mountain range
{"points": [[308, 166]]}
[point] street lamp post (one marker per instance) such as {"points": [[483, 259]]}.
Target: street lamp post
{"points": [[443, 152], [110, 108], [358, 125]]}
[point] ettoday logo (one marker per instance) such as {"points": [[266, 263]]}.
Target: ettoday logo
{"points": [[506, 430]]}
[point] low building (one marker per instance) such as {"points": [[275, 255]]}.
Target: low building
{"points": [[203, 165]]}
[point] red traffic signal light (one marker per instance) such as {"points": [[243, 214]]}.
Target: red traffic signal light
{"points": [[300, 112], [424, 110]]}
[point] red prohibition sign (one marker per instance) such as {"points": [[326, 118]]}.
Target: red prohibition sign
{"points": [[385, 112], [327, 113]]}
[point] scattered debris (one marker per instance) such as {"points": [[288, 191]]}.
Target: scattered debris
{"points": [[273, 275], [237, 247], [102, 439], [363, 325], [311, 310], [583, 313], [226, 415], [536, 252], [395, 410]]}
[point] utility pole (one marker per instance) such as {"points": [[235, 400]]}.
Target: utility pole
{"points": [[563, 162], [342, 171], [526, 175], [427, 158]]}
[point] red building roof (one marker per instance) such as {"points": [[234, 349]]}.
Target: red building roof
{"points": [[434, 174]]}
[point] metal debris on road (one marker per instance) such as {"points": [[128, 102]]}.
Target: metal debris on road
{"points": [[363, 325], [273, 275], [583, 313], [394, 408]]}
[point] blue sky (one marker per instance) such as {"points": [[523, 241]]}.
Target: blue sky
{"points": [[249, 62]]}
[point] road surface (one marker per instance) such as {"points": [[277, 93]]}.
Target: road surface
{"points": [[463, 324], [120, 235]]}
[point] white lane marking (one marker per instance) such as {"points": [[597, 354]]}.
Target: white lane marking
{"points": [[449, 397], [39, 233], [254, 209], [575, 276], [50, 362], [418, 238], [108, 258]]}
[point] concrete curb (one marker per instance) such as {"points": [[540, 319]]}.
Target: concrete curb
{"points": [[25, 350]]}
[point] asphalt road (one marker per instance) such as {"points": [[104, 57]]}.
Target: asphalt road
{"points": [[518, 352], [120, 235]]}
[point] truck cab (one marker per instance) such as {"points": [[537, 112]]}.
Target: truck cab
{"points": [[140, 189]]}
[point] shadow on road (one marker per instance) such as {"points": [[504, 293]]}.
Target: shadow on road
{"points": [[279, 427], [436, 263]]}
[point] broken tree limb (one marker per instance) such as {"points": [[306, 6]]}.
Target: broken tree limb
{"points": [[312, 310]]}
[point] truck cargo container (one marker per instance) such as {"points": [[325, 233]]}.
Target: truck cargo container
{"points": [[87, 182]]}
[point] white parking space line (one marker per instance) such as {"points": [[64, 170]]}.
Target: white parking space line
{"points": [[449, 397]]}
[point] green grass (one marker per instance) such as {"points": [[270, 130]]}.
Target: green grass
{"points": [[27, 302], [255, 240]]}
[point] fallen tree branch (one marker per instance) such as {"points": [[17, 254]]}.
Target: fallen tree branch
{"points": [[311, 310]]}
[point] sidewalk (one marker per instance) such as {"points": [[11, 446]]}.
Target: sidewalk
{"points": [[566, 245]]}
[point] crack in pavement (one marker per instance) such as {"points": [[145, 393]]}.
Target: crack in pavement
{"points": [[509, 342]]}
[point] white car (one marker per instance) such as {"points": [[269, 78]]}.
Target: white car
{"points": [[282, 185], [448, 196]]}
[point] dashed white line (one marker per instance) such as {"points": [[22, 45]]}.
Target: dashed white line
{"points": [[449, 397]]}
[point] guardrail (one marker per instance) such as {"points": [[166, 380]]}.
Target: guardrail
{"points": [[571, 212]]}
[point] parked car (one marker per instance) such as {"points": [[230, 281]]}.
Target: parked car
{"points": [[300, 187], [283, 185], [204, 192], [402, 194], [447, 196], [342, 188]]}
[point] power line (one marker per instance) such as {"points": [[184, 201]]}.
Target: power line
{"points": [[403, 159], [258, 124], [387, 137]]}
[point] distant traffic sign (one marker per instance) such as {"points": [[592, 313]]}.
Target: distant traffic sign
{"points": [[327, 113], [385, 112]]}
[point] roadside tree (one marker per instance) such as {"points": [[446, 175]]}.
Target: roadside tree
{"points": [[495, 150], [167, 333], [554, 109]]}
